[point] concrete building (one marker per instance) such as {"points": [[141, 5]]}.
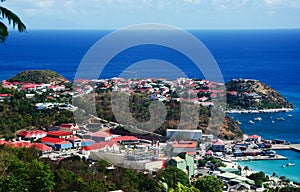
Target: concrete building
{"points": [[187, 164]]}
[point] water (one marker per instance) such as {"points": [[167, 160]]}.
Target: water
{"points": [[272, 56], [271, 166]]}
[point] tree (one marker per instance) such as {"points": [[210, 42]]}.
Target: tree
{"points": [[246, 169], [209, 184], [12, 19], [172, 175]]}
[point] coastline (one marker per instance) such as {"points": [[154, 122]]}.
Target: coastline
{"points": [[233, 111]]}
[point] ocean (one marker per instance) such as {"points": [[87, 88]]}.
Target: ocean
{"points": [[271, 56]]}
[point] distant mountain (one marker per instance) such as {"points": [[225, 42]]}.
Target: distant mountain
{"points": [[38, 76], [253, 94]]}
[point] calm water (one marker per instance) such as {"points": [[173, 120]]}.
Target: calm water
{"points": [[272, 56], [271, 166]]}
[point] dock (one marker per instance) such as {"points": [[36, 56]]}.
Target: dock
{"points": [[258, 158], [294, 147]]}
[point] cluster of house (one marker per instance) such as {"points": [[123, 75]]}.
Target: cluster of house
{"points": [[251, 96], [66, 137], [42, 87], [197, 91]]}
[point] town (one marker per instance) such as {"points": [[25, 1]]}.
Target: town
{"points": [[193, 152]]}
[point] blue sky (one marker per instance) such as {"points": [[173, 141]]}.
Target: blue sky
{"points": [[186, 14]]}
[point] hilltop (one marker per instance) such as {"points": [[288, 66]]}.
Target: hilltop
{"points": [[253, 94], [38, 76]]}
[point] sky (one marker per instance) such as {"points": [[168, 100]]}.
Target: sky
{"points": [[186, 14]]}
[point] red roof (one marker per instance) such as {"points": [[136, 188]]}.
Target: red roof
{"points": [[29, 134], [72, 126], [59, 133], [125, 138], [5, 95], [41, 147], [18, 144], [52, 140], [99, 145], [184, 144], [73, 138], [218, 142], [209, 152], [99, 134], [254, 137], [2, 142]]}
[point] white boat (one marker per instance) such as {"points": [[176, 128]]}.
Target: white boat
{"points": [[290, 164], [280, 119], [250, 122], [257, 119], [290, 115], [273, 122]]}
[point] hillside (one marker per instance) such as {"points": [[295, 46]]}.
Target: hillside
{"points": [[253, 94], [38, 76], [139, 107]]}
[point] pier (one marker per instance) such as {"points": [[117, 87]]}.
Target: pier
{"points": [[295, 147]]}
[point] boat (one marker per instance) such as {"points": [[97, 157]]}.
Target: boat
{"points": [[250, 122], [280, 119], [290, 115], [290, 164], [238, 122], [257, 119], [273, 122]]}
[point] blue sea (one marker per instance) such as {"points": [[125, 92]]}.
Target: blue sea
{"points": [[271, 56]]}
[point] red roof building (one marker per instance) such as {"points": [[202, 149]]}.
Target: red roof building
{"points": [[126, 139], [73, 127], [59, 134], [34, 134], [42, 148]]}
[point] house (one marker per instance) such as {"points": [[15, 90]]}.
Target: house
{"points": [[51, 141], [209, 153], [185, 163], [87, 142], [59, 134], [34, 134], [72, 127], [218, 146], [185, 134], [76, 141], [126, 140], [5, 95], [254, 138], [184, 146], [99, 136], [42, 148], [110, 146]]}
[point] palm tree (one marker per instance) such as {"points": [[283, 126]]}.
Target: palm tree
{"points": [[12, 19]]}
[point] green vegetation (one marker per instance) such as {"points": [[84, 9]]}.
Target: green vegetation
{"points": [[214, 161], [172, 176], [38, 76], [12, 19], [139, 104], [209, 184], [258, 178], [21, 170], [262, 96], [18, 112]]}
